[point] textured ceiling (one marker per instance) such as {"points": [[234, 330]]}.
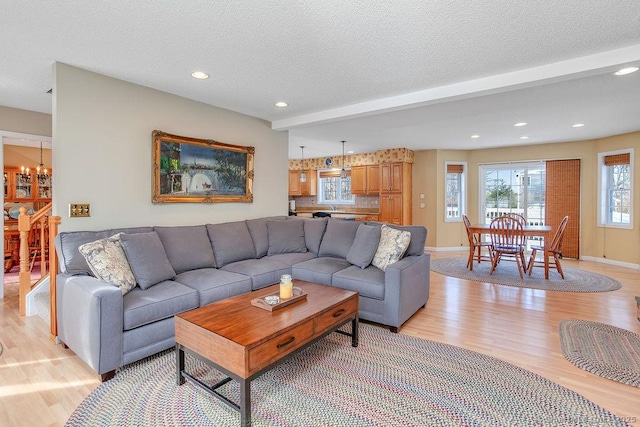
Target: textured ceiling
{"points": [[420, 74]]}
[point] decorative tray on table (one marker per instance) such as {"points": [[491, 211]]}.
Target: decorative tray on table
{"points": [[298, 295]]}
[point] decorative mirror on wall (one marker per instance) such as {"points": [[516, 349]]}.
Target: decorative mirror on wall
{"points": [[191, 170]]}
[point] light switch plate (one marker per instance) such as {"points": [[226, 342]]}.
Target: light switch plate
{"points": [[79, 210]]}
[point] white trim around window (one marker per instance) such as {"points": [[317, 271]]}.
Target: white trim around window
{"points": [[615, 199], [455, 191]]}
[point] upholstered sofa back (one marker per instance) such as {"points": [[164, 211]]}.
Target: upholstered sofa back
{"points": [[216, 245]]}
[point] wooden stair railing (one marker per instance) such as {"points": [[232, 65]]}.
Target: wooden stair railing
{"points": [[54, 222], [27, 225], [47, 226]]}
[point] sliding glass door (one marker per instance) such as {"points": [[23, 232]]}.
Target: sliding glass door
{"points": [[513, 188]]}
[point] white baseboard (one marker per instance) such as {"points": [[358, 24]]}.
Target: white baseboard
{"points": [[611, 262], [445, 249]]}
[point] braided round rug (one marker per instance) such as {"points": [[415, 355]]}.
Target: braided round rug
{"points": [[506, 273], [388, 380], [602, 349]]}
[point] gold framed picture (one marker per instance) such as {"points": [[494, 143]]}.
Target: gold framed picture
{"points": [[192, 170]]}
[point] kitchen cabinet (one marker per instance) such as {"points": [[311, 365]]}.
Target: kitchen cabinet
{"points": [[294, 183], [395, 193], [365, 180], [307, 188], [392, 177]]}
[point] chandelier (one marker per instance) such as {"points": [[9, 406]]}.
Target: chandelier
{"points": [[42, 173]]}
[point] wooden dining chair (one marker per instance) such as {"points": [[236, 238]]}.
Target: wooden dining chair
{"points": [[507, 237], [555, 250], [518, 217], [476, 245]]}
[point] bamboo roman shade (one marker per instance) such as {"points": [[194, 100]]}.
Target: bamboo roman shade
{"points": [[333, 173], [455, 168], [563, 198], [617, 159]]}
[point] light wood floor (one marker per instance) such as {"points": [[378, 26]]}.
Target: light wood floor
{"points": [[41, 383]]}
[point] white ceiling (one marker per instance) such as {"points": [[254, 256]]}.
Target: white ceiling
{"points": [[379, 74]]}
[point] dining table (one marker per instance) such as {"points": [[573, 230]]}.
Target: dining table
{"points": [[543, 231]]}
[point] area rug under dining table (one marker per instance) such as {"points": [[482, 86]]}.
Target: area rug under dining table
{"points": [[506, 273], [388, 380]]}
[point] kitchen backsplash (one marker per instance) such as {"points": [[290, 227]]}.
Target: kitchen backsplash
{"points": [[361, 202]]}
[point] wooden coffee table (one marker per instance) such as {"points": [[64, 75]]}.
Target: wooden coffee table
{"points": [[244, 341]]}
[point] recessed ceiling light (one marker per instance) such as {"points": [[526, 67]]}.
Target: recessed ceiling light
{"points": [[281, 104], [524, 137], [201, 75], [350, 152], [577, 125], [627, 70], [475, 136], [520, 124]]}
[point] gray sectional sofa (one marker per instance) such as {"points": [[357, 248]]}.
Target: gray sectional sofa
{"points": [[184, 267]]}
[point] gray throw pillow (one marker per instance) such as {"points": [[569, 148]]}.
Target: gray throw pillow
{"points": [[147, 258], [313, 232], [364, 246], [231, 242], [187, 247], [338, 238], [286, 237]]}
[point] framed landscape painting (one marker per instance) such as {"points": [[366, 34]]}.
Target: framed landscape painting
{"points": [[191, 170]]}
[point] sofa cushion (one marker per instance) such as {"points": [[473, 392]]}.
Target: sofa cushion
{"points": [[263, 272], [259, 233], [364, 245], [319, 270], [147, 258], [314, 229], [231, 242], [214, 285], [368, 282], [187, 247], [291, 258], [161, 301], [108, 262], [393, 244], [338, 238], [68, 242], [286, 237], [418, 237]]}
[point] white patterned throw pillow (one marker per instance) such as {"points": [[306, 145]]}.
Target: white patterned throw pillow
{"points": [[393, 244], [108, 262]]}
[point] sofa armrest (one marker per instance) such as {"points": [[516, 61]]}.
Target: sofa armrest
{"points": [[90, 320], [406, 288]]}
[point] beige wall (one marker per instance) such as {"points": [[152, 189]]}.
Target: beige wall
{"points": [[16, 155], [614, 244], [23, 121], [102, 138]]}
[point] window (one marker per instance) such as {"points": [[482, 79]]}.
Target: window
{"points": [[334, 189], [455, 191], [616, 177]]}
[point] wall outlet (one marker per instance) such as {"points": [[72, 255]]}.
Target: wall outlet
{"points": [[422, 205], [79, 210]]}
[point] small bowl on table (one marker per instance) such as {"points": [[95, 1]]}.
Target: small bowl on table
{"points": [[272, 299]]}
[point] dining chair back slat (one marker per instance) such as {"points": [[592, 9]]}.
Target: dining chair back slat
{"points": [[508, 239]]}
